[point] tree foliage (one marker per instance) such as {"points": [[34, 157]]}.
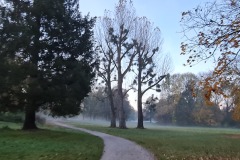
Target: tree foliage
{"points": [[212, 32], [150, 108], [182, 103], [50, 45], [185, 106]]}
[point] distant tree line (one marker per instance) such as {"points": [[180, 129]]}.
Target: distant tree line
{"points": [[97, 106], [183, 103]]}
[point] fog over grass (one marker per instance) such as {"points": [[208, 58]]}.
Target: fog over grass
{"points": [[155, 126]]}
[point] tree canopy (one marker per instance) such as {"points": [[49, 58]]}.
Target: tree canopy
{"points": [[212, 32], [47, 53]]}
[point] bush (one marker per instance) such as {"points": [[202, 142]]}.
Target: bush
{"points": [[12, 117], [19, 117]]}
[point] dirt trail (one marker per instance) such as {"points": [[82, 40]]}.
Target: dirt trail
{"points": [[116, 148]]}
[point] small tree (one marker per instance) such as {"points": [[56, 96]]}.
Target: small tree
{"points": [[150, 108], [185, 106]]}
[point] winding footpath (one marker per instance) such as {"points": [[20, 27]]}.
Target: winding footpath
{"points": [[116, 148]]}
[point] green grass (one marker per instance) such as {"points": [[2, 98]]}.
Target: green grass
{"points": [[10, 125], [43, 144], [182, 142]]}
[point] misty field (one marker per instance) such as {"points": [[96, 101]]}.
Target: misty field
{"points": [[57, 144], [179, 142]]}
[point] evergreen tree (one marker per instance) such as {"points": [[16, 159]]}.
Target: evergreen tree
{"points": [[51, 45], [185, 107]]}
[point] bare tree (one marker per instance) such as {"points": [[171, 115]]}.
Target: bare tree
{"points": [[106, 67], [117, 45], [148, 47]]}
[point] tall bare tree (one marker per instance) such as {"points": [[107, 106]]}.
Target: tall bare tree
{"points": [[116, 44], [148, 47], [106, 67]]}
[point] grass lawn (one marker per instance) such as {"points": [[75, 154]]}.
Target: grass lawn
{"points": [[57, 144], [181, 142]]}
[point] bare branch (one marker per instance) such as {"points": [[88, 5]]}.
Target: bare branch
{"points": [[154, 84]]}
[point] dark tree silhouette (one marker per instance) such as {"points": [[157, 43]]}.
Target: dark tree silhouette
{"points": [[50, 45]]}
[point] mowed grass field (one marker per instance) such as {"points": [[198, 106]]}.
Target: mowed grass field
{"points": [[45, 144], [180, 142]]}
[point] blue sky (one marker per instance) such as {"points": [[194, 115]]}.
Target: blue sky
{"points": [[166, 15]]}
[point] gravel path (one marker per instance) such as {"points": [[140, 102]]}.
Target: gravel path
{"points": [[116, 148]]}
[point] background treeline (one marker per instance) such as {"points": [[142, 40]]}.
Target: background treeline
{"points": [[97, 106], [182, 102]]}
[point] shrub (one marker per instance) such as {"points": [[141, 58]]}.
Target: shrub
{"points": [[12, 117]]}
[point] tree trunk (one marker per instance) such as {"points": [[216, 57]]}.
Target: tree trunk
{"points": [[30, 118], [113, 121], [111, 102], [122, 121], [113, 114], [140, 114], [139, 102]]}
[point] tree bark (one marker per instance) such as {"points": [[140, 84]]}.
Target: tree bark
{"points": [[110, 97], [122, 120], [30, 118], [139, 102], [113, 121], [140, 114], [113, 111]]}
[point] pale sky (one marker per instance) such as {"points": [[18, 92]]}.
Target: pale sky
{"points": [[166, 15]]}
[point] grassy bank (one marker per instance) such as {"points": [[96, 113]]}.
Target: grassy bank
{"points": [[47, 144], [181, 142]]}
